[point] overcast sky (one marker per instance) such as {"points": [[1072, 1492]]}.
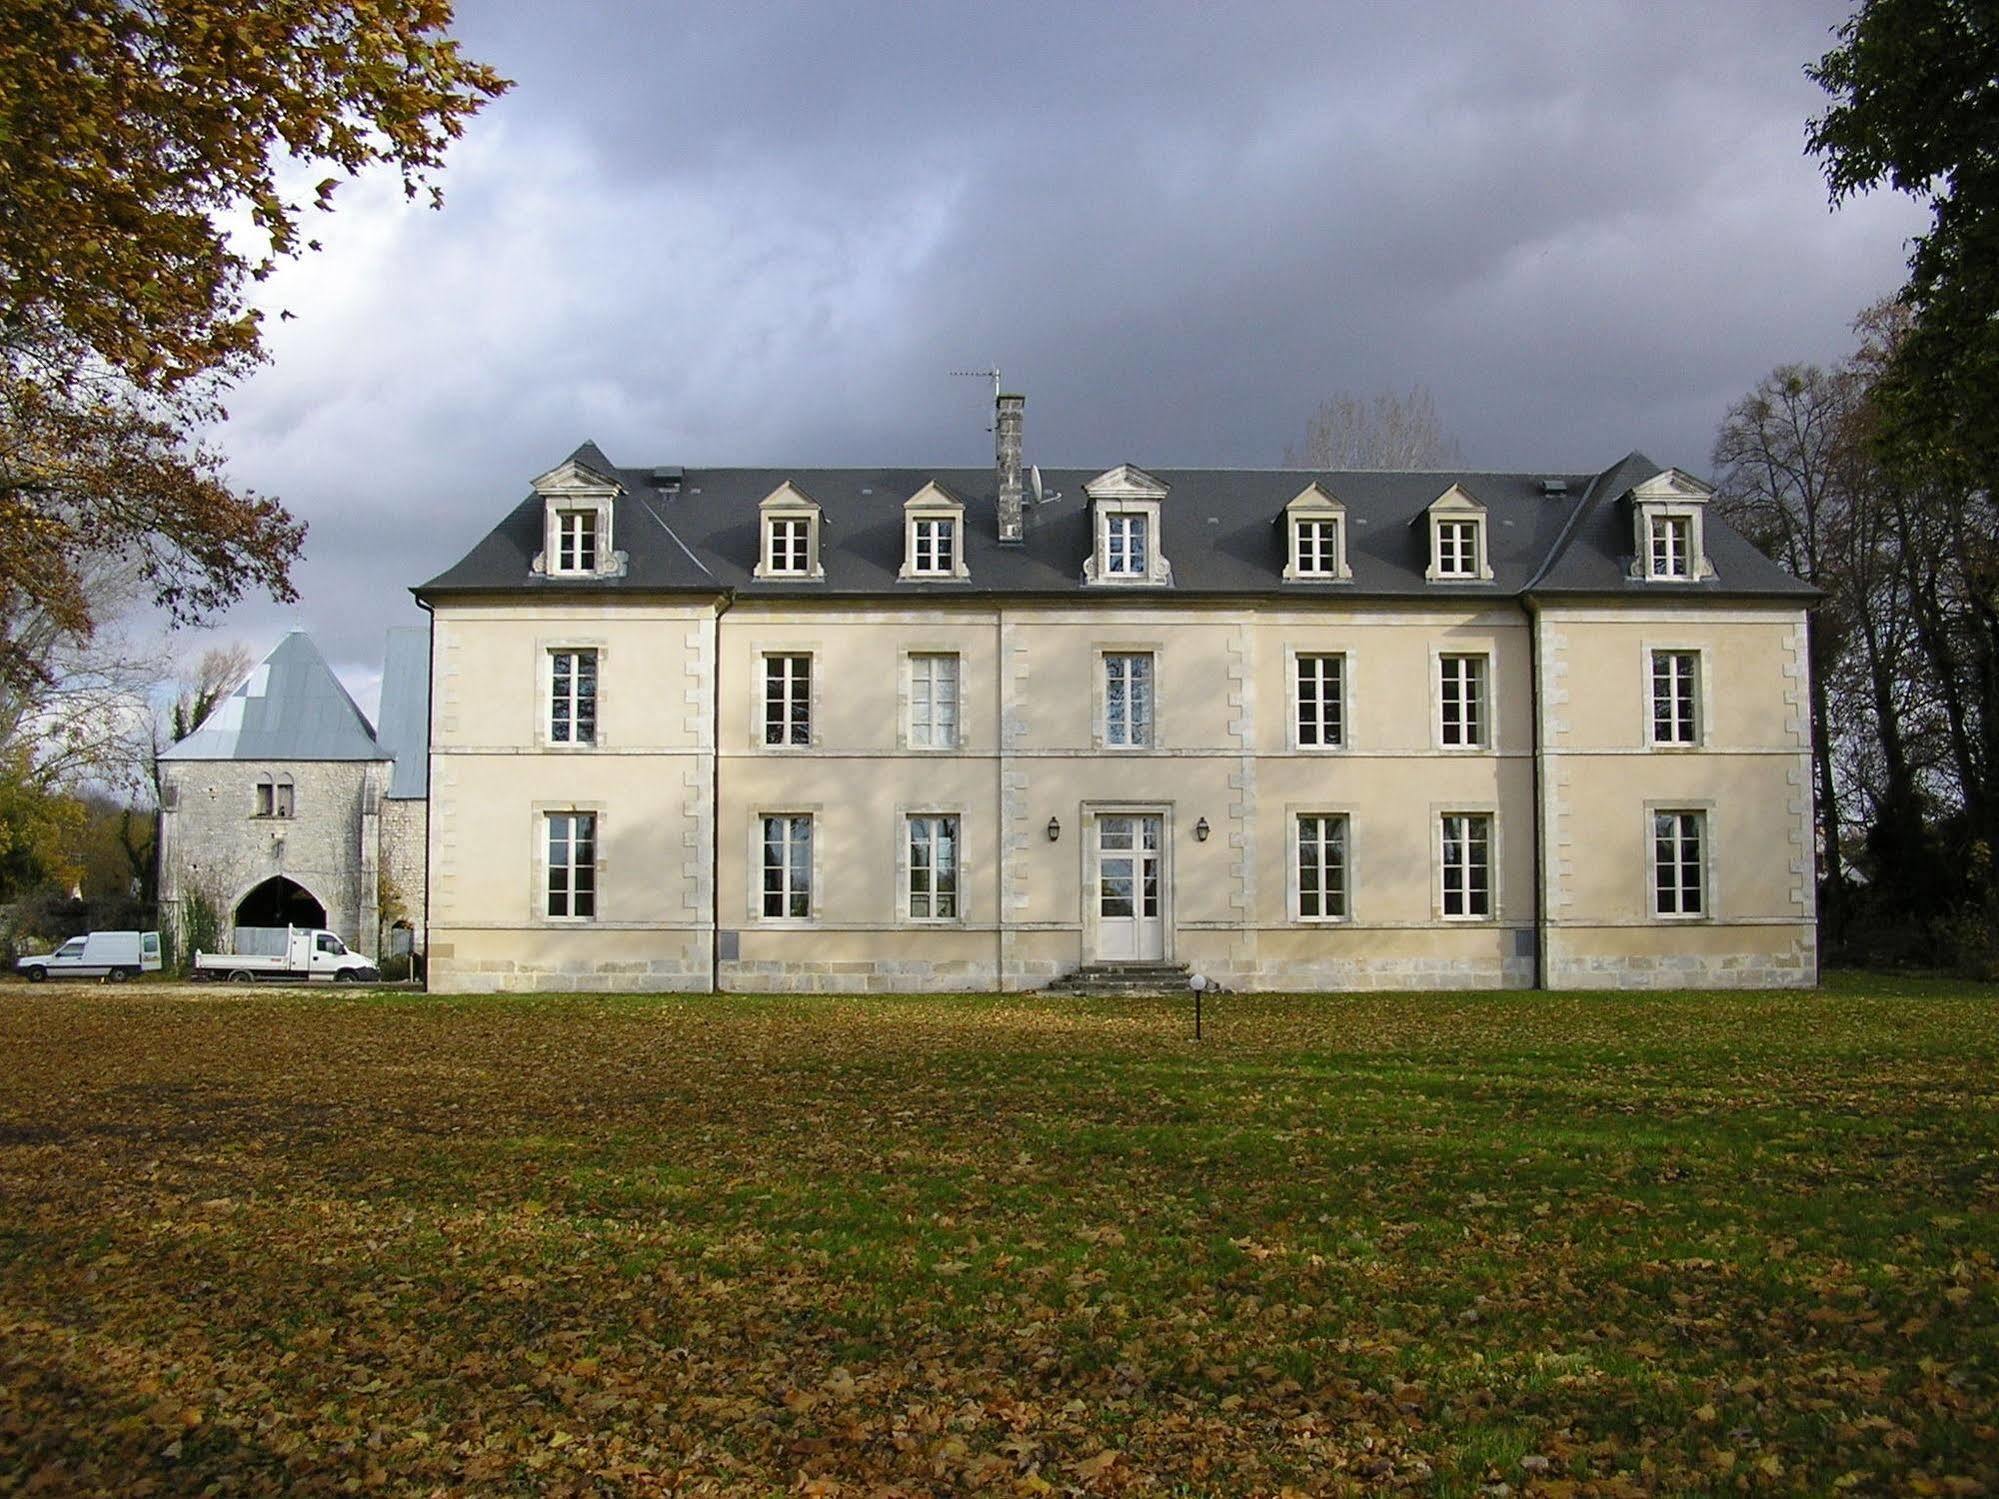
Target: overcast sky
{"points": [[759, 233]]}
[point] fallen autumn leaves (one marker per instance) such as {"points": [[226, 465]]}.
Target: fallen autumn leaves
{"points": [[1460, 1244]]}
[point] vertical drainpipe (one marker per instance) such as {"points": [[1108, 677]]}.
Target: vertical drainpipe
{"points": [[715, 798], [1540, 771]]}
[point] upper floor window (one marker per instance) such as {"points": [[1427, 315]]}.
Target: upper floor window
{"points": [[1462, 715], [1315, 523], [789, 545], [1457, 535], [934, 552], [1466, 863], [933, 534], [788, 699], [933, 701], [787, 867], [1128, 701], [1457, 548], [572, 864], [1125, 546], [274, 796], [1322, 867], [1667, 511], [1320, 701], [1679, 885], [933, 868], [1675, 697], [575, 541], [1318, 543], [1672, 546], [572, 702]]}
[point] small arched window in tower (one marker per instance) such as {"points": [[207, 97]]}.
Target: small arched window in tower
{"points": [[266, 796], [282, 804]]}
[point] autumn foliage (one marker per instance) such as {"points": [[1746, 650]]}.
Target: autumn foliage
{"points": [[1464, 1245]]}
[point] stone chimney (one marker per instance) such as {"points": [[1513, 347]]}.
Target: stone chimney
{"points": [[1007, 418]]}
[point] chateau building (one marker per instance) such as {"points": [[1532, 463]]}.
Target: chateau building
{"points": [[286, 807], [866, 729]]}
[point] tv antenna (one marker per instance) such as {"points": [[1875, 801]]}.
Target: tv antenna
{"points": [[992, 374]]}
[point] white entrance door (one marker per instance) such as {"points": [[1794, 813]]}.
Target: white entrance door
{"points": [[1128, 896]]}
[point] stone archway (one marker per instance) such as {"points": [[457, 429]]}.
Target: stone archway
{"points": [[280, 902]]}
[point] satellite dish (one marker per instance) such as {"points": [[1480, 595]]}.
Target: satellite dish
{"points": [[1034, 478]]}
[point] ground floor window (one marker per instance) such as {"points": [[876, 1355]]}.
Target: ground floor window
{"points": [[1677, 882], [933, 868], [1322, 867], [572, 864], [1467, 863], [787, 884]]}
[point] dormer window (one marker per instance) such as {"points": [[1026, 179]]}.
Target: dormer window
{"points": [[791, 522], [575, 541], [577, 507], [933, 526], [1666, 515], [1315, 525], [1125, 506], [1457, 539]]}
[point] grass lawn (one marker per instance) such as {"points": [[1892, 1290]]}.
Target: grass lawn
{"points": [[1584, 1244]]}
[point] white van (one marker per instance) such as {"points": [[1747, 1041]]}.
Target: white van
{"points": [[116, 956]]}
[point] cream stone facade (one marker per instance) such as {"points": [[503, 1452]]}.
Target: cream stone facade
{"points": [[1388, 753]]}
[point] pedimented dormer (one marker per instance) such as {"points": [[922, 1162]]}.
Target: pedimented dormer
{"points": [[1315, 537], [577, 499], [1668, 544], [789, 526], [1124, 526], [933, 536], [1456, 526]]}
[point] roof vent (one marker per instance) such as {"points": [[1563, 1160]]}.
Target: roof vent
{"points": [[1554, 488], [668, 477]]}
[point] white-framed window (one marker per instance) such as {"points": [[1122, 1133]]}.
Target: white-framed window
{"points": [[933, 547], [788, 699], [933, 867], [787, 867], [1128, 700], [572, 700], [1457, 548], [1322, 866], [1319, 697], [1461, 708], [1676, 685], [933, 700], [1679, 870], [275, 796], [788, 547], [1316, 548], [1672, 546], [1126, 545], [572, 865], [575, 541], [1465, 862]]}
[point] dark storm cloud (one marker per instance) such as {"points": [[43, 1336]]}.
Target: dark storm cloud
{"points": [[761, 233]]}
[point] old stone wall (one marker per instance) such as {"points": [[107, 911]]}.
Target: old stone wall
{"points": [[405, 829]]}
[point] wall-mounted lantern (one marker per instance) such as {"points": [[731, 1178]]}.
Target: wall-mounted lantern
{"points": [[1201, 831], [1054, 829]]}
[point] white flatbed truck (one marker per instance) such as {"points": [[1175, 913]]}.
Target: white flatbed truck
{"points": [[302, 954]]}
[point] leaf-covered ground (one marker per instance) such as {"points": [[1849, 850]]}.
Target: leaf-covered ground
{"points": [[1582, 1244]]}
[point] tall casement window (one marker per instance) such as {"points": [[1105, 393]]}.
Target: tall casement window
{"points": [[1128, 701], [787, 888], [1321, 702], [1672, 546], [933, 702], [933, 547], [1675, 696], [1322, 868], [1457, 548], [1678, 883], [572, 701], [576, 541], [933, 868], [1466, 863], [790, 548], [572, 864], [1125, 546], [1318, 543], [1462, 708], [788, 700]]}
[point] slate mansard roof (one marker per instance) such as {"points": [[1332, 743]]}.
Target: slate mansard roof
{"points": [[698, 531]]}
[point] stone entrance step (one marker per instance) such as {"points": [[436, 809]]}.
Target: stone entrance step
{"points": [[1099, 980]]}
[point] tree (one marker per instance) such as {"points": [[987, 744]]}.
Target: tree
{"points": [[126, 133], [1389, 431]]}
